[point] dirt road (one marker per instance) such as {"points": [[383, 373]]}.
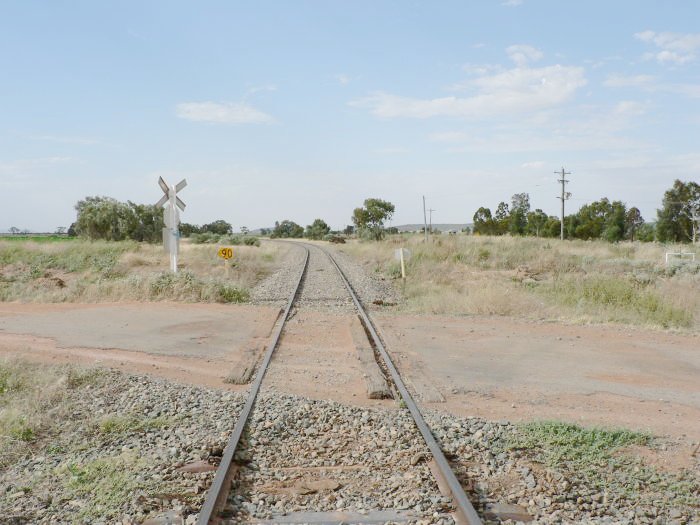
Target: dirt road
{"points": [[490, 367]]}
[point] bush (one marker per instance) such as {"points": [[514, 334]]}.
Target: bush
{"points": [[335, 239]]}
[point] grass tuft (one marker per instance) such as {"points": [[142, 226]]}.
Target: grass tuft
{"points": [[554, 442], [131, 424]]}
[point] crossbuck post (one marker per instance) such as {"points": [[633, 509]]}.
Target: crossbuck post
{"points": [[171, 217]]}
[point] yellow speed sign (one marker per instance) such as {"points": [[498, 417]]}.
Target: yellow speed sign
{"points": [[225, 253]]}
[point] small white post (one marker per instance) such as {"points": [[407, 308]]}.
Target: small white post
{"points": [[403, 266]]}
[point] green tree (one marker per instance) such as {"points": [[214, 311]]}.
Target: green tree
{"points": [[187, 229], [501, 218], [552, 228], [675, 218], [520, 207], [633, 222], [146, 222], [646, 232], [103, 218], [369, 220], [317, 229], [287, 229], [219, 227], [483, 222], [349, 229], [536, 221]]}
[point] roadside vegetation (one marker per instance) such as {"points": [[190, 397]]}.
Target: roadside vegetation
{"points": [[602, 464], [85, 271], [89, 445], [574, 281]]}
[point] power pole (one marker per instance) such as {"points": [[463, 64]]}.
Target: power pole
{"points": [[430, 224], [425, 221], [565, 195]]}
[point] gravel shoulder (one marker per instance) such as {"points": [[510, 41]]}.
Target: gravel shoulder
{"points": [[123, 457]]}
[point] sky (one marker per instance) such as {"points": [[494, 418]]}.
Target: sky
{"points": [[301, 110]]}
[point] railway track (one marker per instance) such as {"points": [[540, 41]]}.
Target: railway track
{"points": [[401, 440]]}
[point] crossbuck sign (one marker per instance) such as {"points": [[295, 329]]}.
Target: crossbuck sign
{"points": [[171, 217]]}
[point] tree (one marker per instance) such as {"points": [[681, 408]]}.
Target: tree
{"points": [[287, 229], [317, 229], [520, 207], [501, 218], [219, 227], [244, 230], [14, 230], [349, 229], [369, 220], [102, 218], [187, 229], [536, 221], [633, 221], [60, 230], [264, 231], [483, 222], [109, 219], [675, 218]]}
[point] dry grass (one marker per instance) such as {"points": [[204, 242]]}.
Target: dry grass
{"points": [[81, 271], [579, 281], [32, 399]]}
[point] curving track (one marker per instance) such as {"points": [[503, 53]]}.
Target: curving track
{"points": [[320, 281]]}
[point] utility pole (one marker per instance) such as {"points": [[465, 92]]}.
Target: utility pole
{"points": [[565, 195], [425, 221], [430, 224]]}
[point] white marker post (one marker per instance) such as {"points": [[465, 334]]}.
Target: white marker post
{"points": [[171, 217]]}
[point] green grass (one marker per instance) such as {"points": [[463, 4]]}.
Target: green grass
{"points": [[105, 485], [554, 442], [596, 459]]}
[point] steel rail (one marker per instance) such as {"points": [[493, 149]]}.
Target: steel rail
{"points": [[213, 499], [464, 507]]}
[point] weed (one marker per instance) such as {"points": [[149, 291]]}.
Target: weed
{"points": [[123, 424], [104, 484], [78, 377], [232, 294], [554, 442]]}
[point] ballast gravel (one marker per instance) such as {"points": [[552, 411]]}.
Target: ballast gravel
{"points": [[298, 454]]}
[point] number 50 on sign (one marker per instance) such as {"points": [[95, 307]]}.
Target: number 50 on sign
{"points": [[225, 253]]}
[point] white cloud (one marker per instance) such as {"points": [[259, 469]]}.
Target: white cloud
{"points": [[650, 84], [674, 47], [523, 54], [516, 90], [512, 3], [342, 79], [628, 81], [222, 112]]}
